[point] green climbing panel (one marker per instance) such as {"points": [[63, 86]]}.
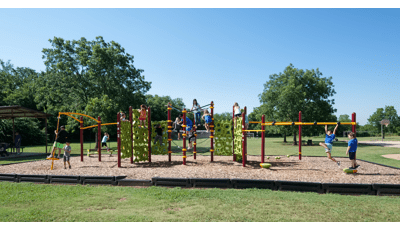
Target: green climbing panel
{"points": [[140, 139], [157, 149], [223, 137], [238, 136], [126, 144]]}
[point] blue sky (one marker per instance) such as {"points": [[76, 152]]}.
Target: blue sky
{"points": [[226, 55]]}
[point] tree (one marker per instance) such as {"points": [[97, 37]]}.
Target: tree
{"points": [[159, 111], [294, 90], [223, 116], [79, 72], [390, 113]]}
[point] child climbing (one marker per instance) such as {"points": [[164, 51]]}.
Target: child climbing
{"points": [[351, 150], [237, 112], [197, 112], [143, 114], [159, 132], [62, 137], [178, 126], [207, 118], [191, 138], [329, 137]]}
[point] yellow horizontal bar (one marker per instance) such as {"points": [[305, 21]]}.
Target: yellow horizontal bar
{"points": [[308, 123], [255, 122], [253, 130], [109, 123]]}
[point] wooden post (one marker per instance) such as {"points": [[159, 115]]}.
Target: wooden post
{"points": [[233, 134], [212, 131], [299, 136], [149, 132], [169, 132], [243, 145], [81, 137], [99, 137], [130, 121], [119, 139], [184, 137], [262, 138]]}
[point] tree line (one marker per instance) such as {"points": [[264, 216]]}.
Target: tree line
{"points": [[98, 78]]}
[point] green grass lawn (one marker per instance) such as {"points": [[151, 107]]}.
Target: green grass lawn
{"points": [[37, 202]]}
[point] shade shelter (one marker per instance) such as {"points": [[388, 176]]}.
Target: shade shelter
{"points": [[16, 111]]}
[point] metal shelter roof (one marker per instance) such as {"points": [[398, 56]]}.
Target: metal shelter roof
{"points": [[16, 111]]}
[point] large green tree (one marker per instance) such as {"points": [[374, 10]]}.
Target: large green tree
{"points": [[294, 90], [81, 73]]}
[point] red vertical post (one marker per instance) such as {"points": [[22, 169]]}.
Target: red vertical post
{"points": [[149, 131], [45, 121], [81, 137], [169, 132], [130, 120], [184, 137], [299, 136], [194, 143], [119, 139], [212, 131], [243, 139], [99, 136], [353, 119], [262, 138], [233, 134]]}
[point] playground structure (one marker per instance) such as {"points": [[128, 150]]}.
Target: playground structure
{"points": [[230, 137], [99, 124], [243, 149]]}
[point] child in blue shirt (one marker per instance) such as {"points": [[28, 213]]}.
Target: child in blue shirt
{"points": [[207, 118], [351, 150], [329, 137]]}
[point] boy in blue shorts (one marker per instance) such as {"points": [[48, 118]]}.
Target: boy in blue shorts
{"points": [[189, 125], [351, 150], [329, 137]]}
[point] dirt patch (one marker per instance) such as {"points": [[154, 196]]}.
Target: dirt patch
{"points": [[393, 144], [392, 156], [311, 169]]}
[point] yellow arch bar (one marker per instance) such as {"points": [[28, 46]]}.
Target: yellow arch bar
{"points": [[80, 114]]}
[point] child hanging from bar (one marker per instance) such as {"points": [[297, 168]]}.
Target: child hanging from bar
{"points": [[142, 117], [351, 150], [329, 137], [192, 137], [207, 118], [189, 124]]}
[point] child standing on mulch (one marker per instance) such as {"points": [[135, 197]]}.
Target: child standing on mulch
{"points": [[106, 137], [329, 137], [351, 150], [67, 154]]}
